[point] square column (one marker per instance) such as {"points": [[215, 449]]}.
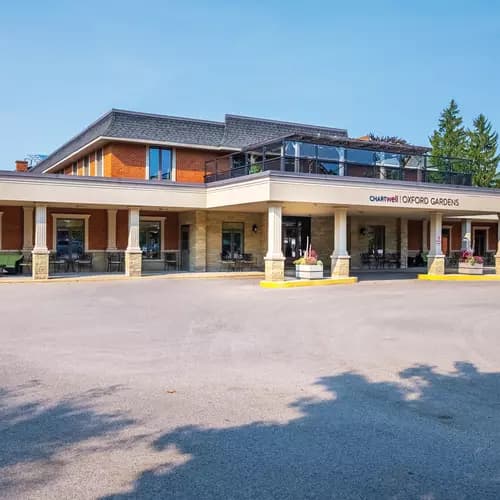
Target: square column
{"points": [[111, 247], [497, 256], [274, 260], [40, 264], [340, 258], [133, 254], [435, 259], [466, 234], [27, 229], [403, 247]]}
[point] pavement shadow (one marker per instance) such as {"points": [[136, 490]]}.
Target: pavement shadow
{"points": [[33, 431], [429, 436]]}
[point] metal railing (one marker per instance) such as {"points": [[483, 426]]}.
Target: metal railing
{"points": [[430, 171]]}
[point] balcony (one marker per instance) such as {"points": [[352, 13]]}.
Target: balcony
{"points": [[342, 157]]}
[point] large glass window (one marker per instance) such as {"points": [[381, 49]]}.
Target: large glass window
{"points": [[362, 156], [70, 238], [150, 239], [232, 240], [160, 163]]}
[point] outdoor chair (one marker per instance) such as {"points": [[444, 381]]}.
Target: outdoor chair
{"points": [[171, 258], [84, 262], [248, 261], [227, 264], [57, 263], [115, 262]]}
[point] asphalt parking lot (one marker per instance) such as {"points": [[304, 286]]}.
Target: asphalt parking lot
{"points": [[221, 389]]}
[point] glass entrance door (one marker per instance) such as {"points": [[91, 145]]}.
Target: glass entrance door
{"points": [[70, 238], [480, 242], [295, 232]]}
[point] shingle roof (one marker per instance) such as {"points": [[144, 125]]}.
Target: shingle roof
{"points": [[234, 133]]}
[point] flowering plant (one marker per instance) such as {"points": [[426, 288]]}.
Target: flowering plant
{"points": [[309, 258], [468, 257]]}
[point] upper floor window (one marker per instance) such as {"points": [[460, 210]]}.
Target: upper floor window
{"points": [[160, 163], [74, 168], [86, 165], [99, 167]]}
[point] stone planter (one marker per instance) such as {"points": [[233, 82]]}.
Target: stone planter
{"points": [[466, 268], [308, 271]]}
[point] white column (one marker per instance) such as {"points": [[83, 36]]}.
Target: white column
{"points": [[40, 229], [274, 262], [274, 239], [435, 259], [340, 259], [497, 256], [133, 254], [435, 248], [425, 235], [466, 234], [27, 229], [112, 230], [40, 262], [133, 230], [340, 249]]}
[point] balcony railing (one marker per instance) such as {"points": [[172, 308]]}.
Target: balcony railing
{"points": [[430, 170]]}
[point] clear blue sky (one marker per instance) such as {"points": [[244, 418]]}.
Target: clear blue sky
{"points": [[384, 66]]}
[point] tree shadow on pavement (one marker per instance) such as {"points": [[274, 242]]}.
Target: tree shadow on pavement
{"points": [[429, 436], [33, 432]]}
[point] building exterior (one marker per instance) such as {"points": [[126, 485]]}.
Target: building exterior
{"points": [[137, 192]]}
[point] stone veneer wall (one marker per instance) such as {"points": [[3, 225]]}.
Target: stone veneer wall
{"points": [[205, 237], [322, 237], [254, 243]]}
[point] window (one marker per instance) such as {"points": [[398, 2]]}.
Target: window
{"points": [[70, 237], [362, 156], [86, 165], [232, 240], [74, 168], [150, 235], [160, 163], [99, 167]]}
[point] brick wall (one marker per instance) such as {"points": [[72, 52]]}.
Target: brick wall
{"points": [[190, 163], [322, 237], [12, 228], [415, 232], [128, 161]]}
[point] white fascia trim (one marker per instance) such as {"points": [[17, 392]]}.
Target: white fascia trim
{"points": [[85, 217], [74, 153], [138, 141]]}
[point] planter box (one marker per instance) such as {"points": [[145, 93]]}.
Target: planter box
{"points": [[308, 272], [466, 268]]}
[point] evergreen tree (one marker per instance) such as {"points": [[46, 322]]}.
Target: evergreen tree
{"points": [[450, 139], [482, 151]]}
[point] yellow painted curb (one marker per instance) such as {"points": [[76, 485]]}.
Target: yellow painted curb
{"points": [[180, 276], [459, 277], [302, 283]]}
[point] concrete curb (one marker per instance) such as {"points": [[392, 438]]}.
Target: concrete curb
{"points": [[303, 283], [179, 276], [458, 277]]}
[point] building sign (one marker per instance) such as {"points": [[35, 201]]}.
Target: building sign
{"points": [[418, 201]]}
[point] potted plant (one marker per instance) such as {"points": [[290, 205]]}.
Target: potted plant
{"points": [[308, 266], [470, 263]]}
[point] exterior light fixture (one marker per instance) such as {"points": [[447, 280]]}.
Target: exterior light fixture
{"points": [[254, 228]]}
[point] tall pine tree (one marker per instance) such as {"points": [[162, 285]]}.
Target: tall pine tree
{"points": [[482, 151], [450, 139]]}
